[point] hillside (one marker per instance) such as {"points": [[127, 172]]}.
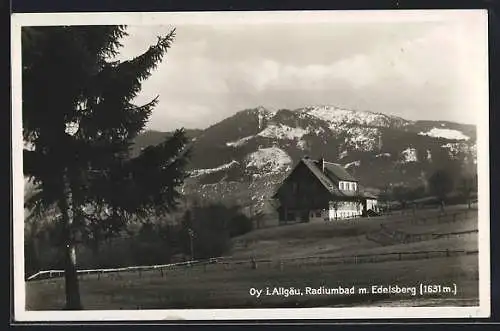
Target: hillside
{"points": [[244, 157], [152, 137]]}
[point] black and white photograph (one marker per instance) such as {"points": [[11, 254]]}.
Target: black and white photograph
{"points": [[251, 165]]}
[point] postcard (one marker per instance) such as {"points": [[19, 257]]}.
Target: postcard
{"points": [[251, 165]]}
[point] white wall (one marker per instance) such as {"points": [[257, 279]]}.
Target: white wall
{"points": [[344, 210], [372, 204]]}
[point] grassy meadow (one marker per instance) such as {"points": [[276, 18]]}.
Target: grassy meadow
{"points": [[227, 285]]}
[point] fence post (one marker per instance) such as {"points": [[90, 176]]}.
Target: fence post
{"points": [[253, 263]]}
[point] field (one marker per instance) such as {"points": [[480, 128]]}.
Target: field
{"points": [[300, 256]]}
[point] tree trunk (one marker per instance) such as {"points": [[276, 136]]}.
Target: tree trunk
{"points": [[72, 290], [73, 301]]}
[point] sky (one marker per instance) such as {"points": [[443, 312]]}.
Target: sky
{"points": [[418, 69]]}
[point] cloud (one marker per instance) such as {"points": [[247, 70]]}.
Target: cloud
{"points": [[414, 70]]}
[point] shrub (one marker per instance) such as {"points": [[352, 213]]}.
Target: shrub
{"points": [[212, 227]]}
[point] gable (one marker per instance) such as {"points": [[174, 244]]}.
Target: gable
{"points": [[313, 168], [329, 183], [308, 170], [300, 173]]}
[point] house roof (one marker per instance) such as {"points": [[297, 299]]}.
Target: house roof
{"points": [[333, 174], [323, 178], [330, 178]]}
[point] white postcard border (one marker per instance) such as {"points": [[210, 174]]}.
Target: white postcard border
{"points": [[19, 20]]}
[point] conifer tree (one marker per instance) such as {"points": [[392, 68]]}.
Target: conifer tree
{"points": [[79, 120], [441, 183]]}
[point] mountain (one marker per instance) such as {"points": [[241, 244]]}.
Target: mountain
{"points": [[243, 158], [152, 137]]}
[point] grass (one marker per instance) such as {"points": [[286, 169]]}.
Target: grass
{"points": [[218, 286], [349, 236], [195, 288]]}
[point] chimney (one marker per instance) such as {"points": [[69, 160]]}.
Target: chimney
{"points": [[322, 164]]}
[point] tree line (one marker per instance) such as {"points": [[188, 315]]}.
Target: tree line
{"points": [[200, 232], [439, 186]]}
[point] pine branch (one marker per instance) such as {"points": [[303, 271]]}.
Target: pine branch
{"points": [[122, 81]]}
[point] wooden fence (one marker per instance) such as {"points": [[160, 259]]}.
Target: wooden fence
{"points": [[228, 264], [446, 217], [160, 267], [387, 237]]}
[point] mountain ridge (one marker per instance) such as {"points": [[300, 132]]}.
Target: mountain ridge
{"points": [[254, 149]]}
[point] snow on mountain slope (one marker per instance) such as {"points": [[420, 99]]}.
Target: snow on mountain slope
{"points": [[460, 147], [337, 116], [200, 172], [343, 154], [265, 112], [270, 160], [239, 142], [265, 145], [281, 131], [445, 133], [352, 164], [362, 138], [361, 128]]}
